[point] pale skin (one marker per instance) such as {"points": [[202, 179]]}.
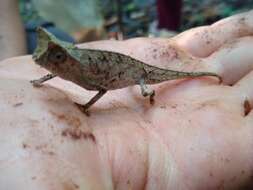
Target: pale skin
{"points": [[197, 135]]}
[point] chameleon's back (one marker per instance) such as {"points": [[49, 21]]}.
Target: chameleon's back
{"points": [[114, 70]]}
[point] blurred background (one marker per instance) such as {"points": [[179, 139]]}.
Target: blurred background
{"points": [[80, 21]]}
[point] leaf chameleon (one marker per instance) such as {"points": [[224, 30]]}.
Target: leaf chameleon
{"points": [[99, 70]]}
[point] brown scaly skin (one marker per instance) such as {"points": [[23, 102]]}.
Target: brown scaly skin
{"points": [[99, 70]]}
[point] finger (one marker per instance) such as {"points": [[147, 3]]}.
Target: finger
{"points": [[203, 41], [233, 61]]}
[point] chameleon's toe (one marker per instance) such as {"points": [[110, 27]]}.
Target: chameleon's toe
{"points": [[36, 83], [83, 109], [152, 98], [86, 112]]}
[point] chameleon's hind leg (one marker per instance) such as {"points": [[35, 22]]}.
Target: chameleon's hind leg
{"points": [[145, 91], [84, 108], [38, 82]]}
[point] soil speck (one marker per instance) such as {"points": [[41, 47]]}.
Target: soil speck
{"points": [[247, 107], [18, 104], [77, 134]]}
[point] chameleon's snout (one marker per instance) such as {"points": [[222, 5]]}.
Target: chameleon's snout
{"points": [[35, 57]]}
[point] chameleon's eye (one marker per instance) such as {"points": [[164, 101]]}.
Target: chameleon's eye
{"points": [[57, 56]]}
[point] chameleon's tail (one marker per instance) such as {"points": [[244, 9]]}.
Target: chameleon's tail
{"points": [[199, 74], [159, 75]]}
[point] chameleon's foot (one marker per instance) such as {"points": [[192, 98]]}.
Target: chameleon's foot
{"points": [[151, 94], [83, 109], [145, 91], [36, 83]]}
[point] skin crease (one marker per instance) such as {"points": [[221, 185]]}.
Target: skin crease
{"points": [[196, 136]]}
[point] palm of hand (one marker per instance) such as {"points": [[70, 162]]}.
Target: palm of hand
{"points": [[198, 135]]}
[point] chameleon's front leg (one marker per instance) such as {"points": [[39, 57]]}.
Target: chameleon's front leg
{"points": [[145, 91], [84, 108], [38, 82]]}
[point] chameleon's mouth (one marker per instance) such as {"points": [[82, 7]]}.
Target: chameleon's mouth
{"points": [[38, 57], [35, 57]]}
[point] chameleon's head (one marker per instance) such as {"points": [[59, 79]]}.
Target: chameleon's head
{"points": [[51, 51]]}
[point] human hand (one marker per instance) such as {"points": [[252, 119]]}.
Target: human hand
{"points": [[198, 135]]}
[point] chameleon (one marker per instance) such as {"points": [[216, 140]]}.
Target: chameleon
{"points": [[99, 70]]}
